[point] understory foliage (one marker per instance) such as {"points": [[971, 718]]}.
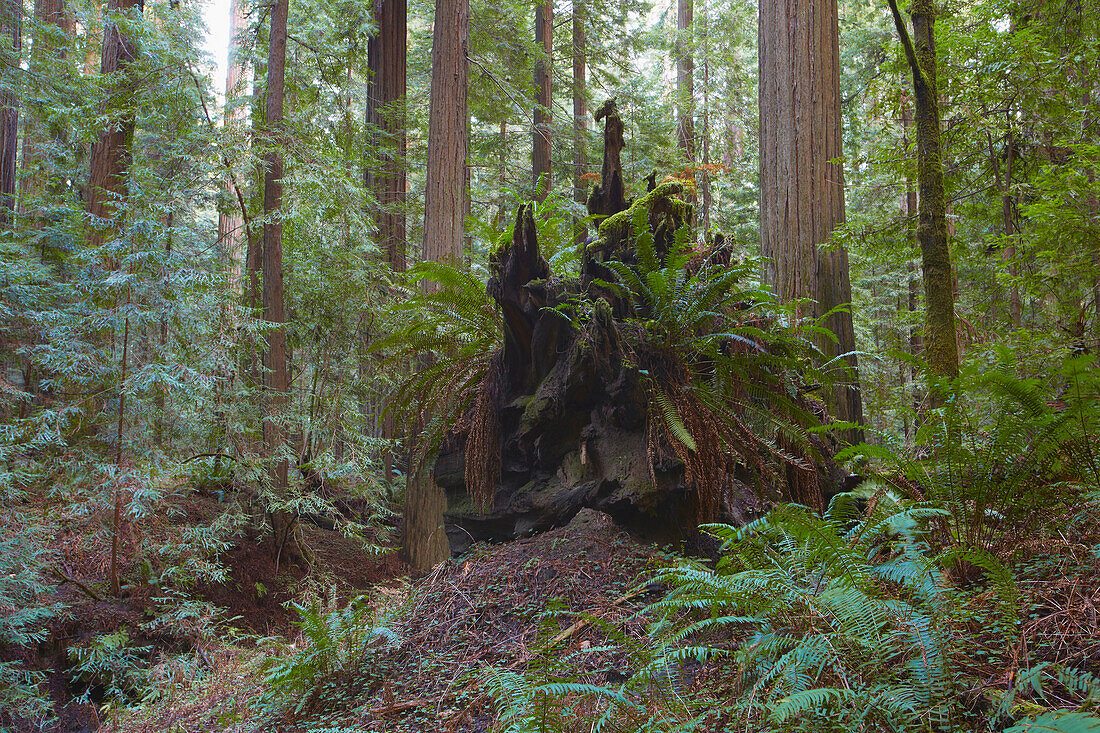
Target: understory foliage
{"points": [[333, 661], [724, 377], [1004, 453], [445, 336], [808, 622]]}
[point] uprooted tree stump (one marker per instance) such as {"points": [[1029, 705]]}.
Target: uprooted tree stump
{"points": [[566, 418]]}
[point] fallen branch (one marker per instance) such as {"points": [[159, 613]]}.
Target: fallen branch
{"points": [[67, 579], [584, 622]]}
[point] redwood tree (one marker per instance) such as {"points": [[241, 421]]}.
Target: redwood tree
{"points": [[425, 540], [386, 57], [801, 185], [274, 313], [540, 133], [109, 159], [11, 16]]}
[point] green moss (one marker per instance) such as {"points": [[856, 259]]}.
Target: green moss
{"points": [[536, 407], [620, 226]]}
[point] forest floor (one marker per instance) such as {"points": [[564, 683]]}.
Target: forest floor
{"points": [[552, 601], [496, 606]]}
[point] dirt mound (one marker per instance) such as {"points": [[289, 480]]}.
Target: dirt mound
{"points": [[500, 606]]}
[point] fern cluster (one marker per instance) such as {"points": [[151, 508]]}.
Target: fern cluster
{"points": [[831, 622], [1003, 453], [447, 329], [808, 622], [724, 379], [337, 645]]}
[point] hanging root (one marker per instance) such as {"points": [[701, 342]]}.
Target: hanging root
{"points": [[711, 443]]}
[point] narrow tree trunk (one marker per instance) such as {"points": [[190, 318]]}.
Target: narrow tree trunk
{"points": [[540, 134], [253, 294], [110, 155], [685, 80], [231, 231], [387, 58], [502, 177], [425, 540], [1003, 181], [704, 178], [910, 210], [580, 111], [274, 313], [940, 346], [801, 188], [11, 21], [387, 54]]}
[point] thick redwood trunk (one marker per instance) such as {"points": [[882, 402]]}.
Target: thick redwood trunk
{"points": [[425, 541], [540, 135], [801, 188], [386, 55], [274, 309]]}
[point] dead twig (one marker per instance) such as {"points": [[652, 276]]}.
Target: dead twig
{"points": [[68, 579]]}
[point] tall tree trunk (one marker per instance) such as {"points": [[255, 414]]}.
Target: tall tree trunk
{"points": [[110, 155], [685, 80], [11, 21], [540, 133], [704, 179], [425, 540], [1003, 180], [580, 110], [909, 208], [502, 178], [386, 55], [685, 89], [231, 232], [254, 259], [940, 345], [801, 188], [274, 313], [387, 58]]}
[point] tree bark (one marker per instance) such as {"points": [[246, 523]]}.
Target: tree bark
{"points": [[540, 134], [425, 540], [110, 155], [580, 109], [940, 345], [387, 58], [274, 313], [11, 21], [231, 231], [801, 185], [909, 208]]}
